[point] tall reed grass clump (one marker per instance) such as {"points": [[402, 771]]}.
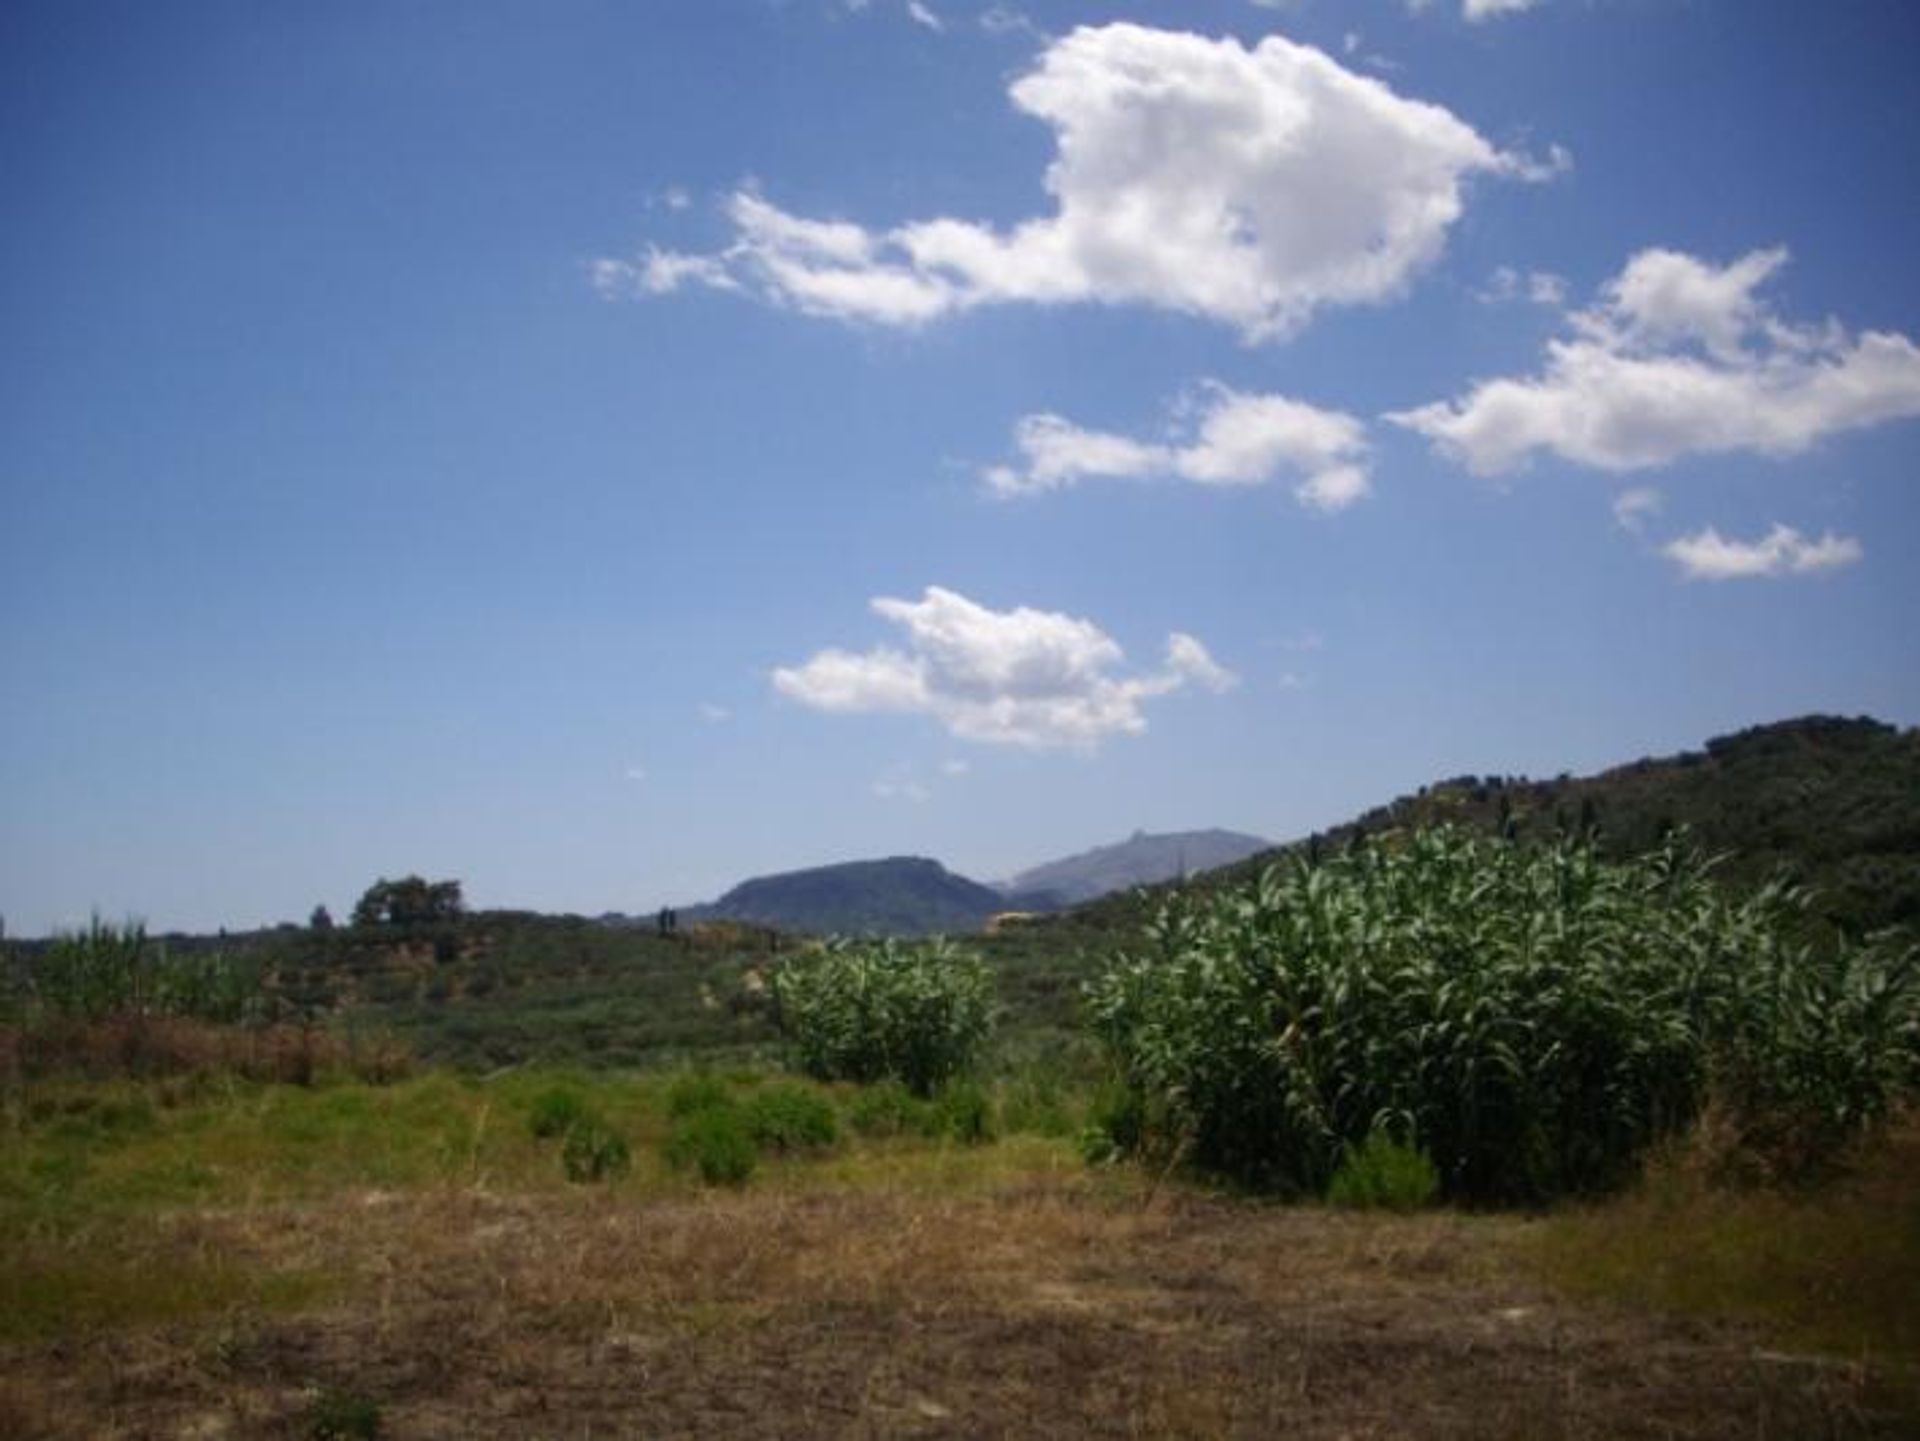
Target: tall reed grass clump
{"points": [[1531, 1018], [109, 970], [869, 1010]]}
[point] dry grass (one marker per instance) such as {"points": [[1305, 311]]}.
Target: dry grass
{"points": [[1834, 1269], [903, 1288], [1057, 1307]]}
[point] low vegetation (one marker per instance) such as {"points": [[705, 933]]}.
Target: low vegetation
{"points": [[1533, 1018], [1589, 1145], [867, 1011]]}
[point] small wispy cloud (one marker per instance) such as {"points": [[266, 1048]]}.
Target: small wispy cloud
{"points": [[636, 773], [1634, 507], [1783, 551], [922, 15], [714, 714], [1536, 287]]}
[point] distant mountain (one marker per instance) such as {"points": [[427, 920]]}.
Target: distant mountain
{"points": [[1139, 860], [1834, 803], [901, 896]]}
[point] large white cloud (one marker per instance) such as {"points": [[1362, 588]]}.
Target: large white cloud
{"points": [[1782, 551], [1679, 357], [1016, 677], [1247, 186], [1219, 437]]}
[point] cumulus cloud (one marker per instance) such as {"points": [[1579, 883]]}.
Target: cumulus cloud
{"points": [[1218, 436], [1247, 186], [1679, 357], [1783, 551], [1017, 677]]}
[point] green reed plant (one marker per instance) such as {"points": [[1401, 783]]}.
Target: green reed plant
{"points": [[109, 970], [867, 1010], [1531, 1018]]}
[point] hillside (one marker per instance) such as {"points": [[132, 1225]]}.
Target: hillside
{"points": [[903, 895], [1140, 860], [1833, 803]]}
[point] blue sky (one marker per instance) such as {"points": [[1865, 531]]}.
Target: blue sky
{"points": [[602, 451]]}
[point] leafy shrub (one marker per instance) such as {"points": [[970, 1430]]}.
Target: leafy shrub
{"points": [[1036, 1104], [1119, 1125], [961, 1112], [1382, 1174], [697, 1091], [594, 1151], [888, 1108], [863, 1011], [716, 1142], [788, 1118], [556, 1111], [1537, 1017]]}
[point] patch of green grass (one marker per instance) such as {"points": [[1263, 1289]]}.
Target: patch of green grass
{"points": [[784, 1117], [1835, 1270], [714, 1142], [71, 1291], [1382, 1174]]}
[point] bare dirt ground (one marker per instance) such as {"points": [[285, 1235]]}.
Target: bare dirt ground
{"points": [[1052, 1309]]}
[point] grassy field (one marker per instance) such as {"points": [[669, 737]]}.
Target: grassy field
{"points": [[207, 1257]]}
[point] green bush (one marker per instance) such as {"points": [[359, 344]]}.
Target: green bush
{"points": [[1382, 1174], [790, 1118], [961, 1112], [556, 1111], [697, 1091], [109, 970], [864, 1011], [715, 1141], [1538, 1017], [888, 1108], [594, 1151]]}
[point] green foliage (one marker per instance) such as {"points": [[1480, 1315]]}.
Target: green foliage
{"points": [[888, 1108], [716, 1142], [336, 1415], [1121, 1122], [556, 1111], [863, 1011], [1536, 1016], [594, 1151], [408, 903], [1382, 1174], [697, 1091], [962, 1112], [109, 970], [783, 1117]]}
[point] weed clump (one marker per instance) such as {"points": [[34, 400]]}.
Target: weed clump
{"points": [[697, 1091], [555, 1112], [1382, 1174], [962, 1112], [789, 1118], [714, 1141], [594, 1151]]}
